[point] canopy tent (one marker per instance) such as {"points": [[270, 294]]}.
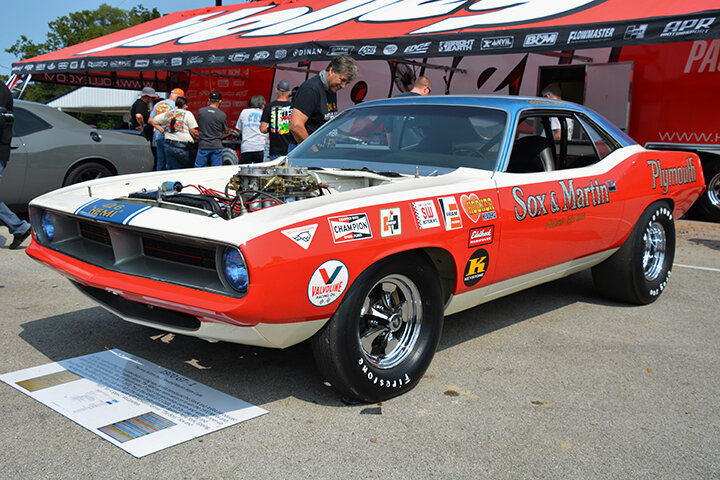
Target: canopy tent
{"points": [[236, 48], [268, 33]]}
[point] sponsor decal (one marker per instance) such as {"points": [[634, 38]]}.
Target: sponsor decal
{"points": [[176, 61], [540, 39], [261, 55], [667, 177], [97, 64], [451, 213], [280, 54], [159, 62], [327, 283], [591, 35], [591, 195], [142, 63], [62, 65], [121, 63], [336, 50], [476, 267], [492, 43], [195, 59], [216, 58], [390, 222], [51, 66], [351, 227], [39, 67], [239, 56], [456, 45], [481, 236], [635, 32], [475, 207], [304, 52], [426, 214], [390, 49], [367, 50], [74, 65], [417, 48], [29, 67], [680, 28], [303, 236], [111, 211]]}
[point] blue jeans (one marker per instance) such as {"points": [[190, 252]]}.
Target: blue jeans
{"points": [[213, 156], [160, 151], [7, 217], [177, 157]]}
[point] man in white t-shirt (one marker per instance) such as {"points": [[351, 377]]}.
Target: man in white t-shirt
{"points": [[553, 92], [252, 148], [181, 131]]}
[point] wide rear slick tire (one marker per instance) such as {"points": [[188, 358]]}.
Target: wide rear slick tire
{"points": [[639, 271], [382, 337]]}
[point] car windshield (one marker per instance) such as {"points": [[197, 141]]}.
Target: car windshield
{"points": [[428, 139]]}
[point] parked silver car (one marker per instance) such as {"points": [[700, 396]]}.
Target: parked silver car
{"points": [[51, 149]]}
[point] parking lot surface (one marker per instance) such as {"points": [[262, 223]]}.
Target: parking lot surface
{"points": [[554, 382]]}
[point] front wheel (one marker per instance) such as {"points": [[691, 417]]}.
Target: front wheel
{"points": [[382, 337], [86, 171], [639, 271]]}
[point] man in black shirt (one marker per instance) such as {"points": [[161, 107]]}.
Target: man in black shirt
{"points": [[422, 87], [316, 99], [212, 123], [275, 120], [20, 229], [140, 110]]}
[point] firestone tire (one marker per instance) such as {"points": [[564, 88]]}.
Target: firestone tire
{"points": [[382, 337], [639, 271], [86, 171]]}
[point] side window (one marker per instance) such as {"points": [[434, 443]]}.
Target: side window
{"points": [[26, 123], [604, 144]]}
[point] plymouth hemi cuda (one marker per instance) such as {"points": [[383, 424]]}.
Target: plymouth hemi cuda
{"points": [[394, 214]]}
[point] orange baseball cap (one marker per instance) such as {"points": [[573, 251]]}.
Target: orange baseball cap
{"points": [[178, 91]]}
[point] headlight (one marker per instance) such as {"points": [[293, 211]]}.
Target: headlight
{"points": [[235, 269], [47, 226]]}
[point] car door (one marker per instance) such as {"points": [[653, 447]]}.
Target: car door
{"points": [[557, 196]]}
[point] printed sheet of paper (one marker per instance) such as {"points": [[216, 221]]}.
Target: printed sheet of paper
{"points": [[137, 405]]}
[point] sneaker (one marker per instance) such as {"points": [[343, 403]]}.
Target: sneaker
{"points": [[19, 239]]}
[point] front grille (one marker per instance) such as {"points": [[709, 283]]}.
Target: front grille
{"points": [[165, 257], [94, 233], [176, 252]]}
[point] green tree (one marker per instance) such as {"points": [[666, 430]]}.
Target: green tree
{"points": [[71, 29]]}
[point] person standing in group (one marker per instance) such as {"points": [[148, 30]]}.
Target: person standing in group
{"points": [[162, 107], [422, 87], [213, 125], [140, 110], [20, 229], [181, 130], [275, 121], [252, 147], [316, 100]]}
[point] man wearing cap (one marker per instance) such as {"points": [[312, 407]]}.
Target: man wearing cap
{"points": [[140, 110], [213, 125], [275, 120], [160, 108]]}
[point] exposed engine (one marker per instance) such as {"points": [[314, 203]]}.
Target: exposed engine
{"points": [[249, 190]]}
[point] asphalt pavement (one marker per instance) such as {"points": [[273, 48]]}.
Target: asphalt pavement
{"points": [[551, 383]]}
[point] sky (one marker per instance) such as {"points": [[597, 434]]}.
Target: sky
{"points": [[31, 17]]}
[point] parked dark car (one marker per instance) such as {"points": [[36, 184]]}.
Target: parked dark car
{"points": [[51, 149]]}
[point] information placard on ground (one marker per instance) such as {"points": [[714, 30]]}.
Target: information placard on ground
{"points": [[135, 404]]}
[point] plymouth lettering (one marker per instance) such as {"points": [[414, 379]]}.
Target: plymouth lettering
{"points": [[668, 177]]}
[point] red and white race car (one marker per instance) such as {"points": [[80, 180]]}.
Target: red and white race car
{"points": [[391, 216]]}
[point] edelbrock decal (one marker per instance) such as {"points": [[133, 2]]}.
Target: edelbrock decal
{"points": [[481, 236], [327, 283]]}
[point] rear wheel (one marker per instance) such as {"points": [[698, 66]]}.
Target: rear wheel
{"points": [[708, 205], [229, 157], [382, 337], [639, 271], [87, 171]]}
